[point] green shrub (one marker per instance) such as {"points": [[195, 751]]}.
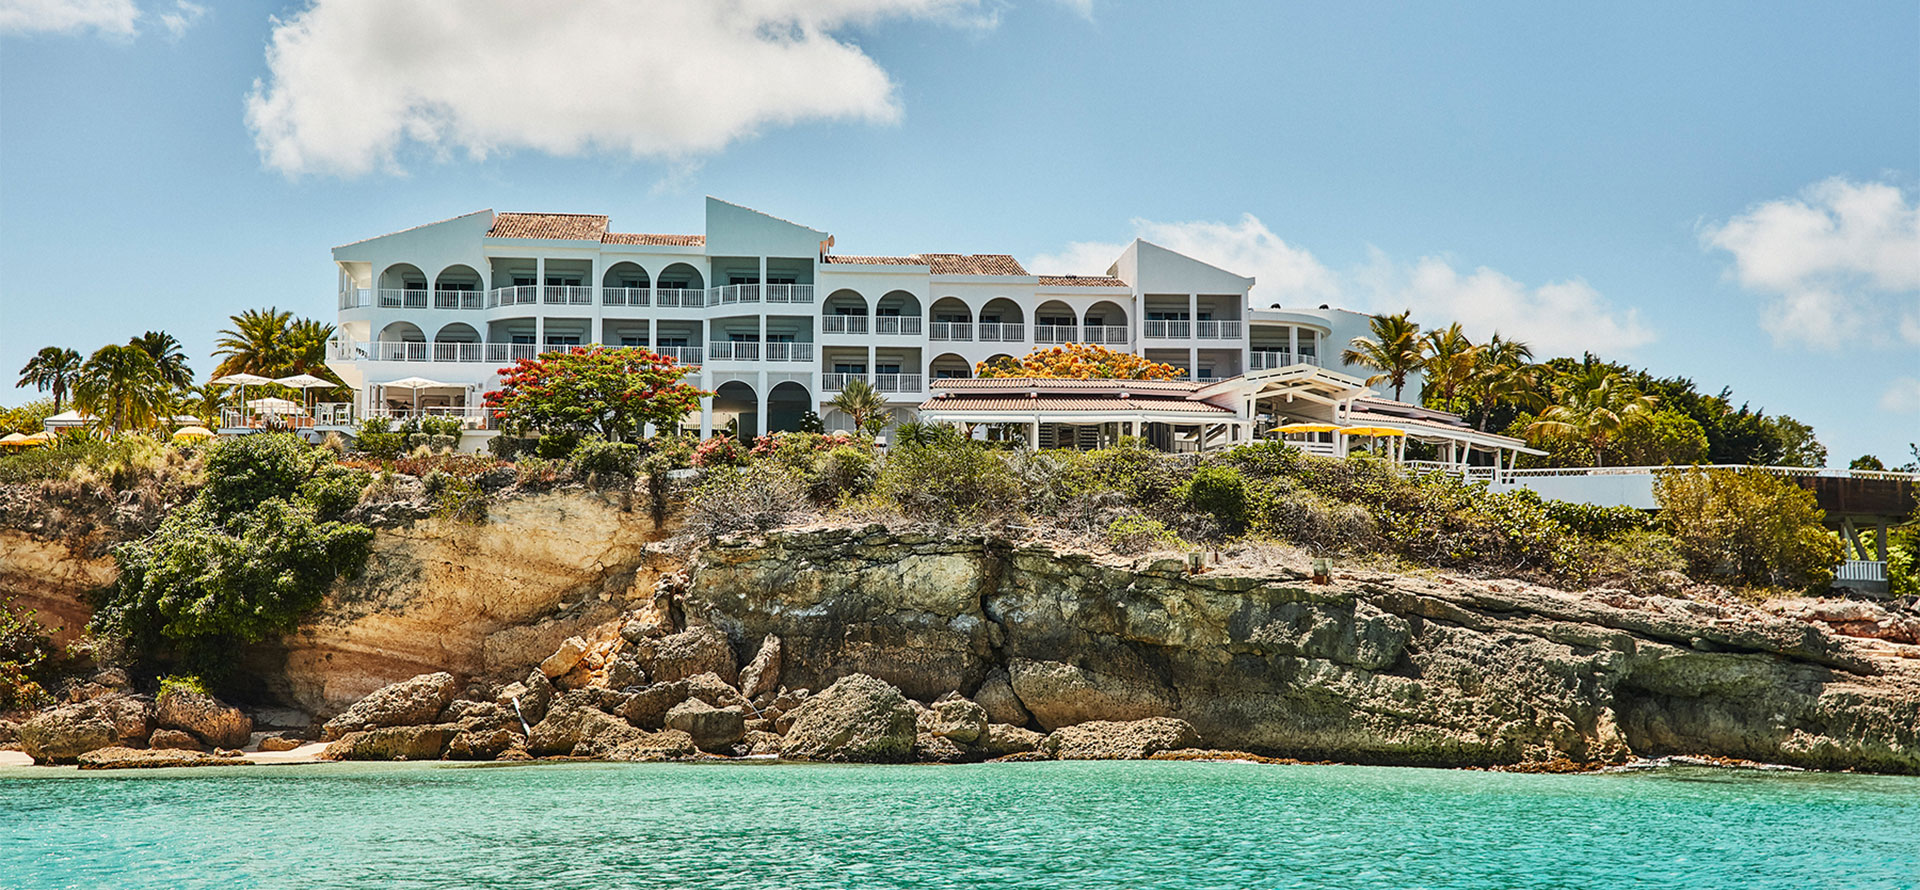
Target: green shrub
{"points": [[252, 552], [26, 654], [173, 683], [1595, 521], [456, 498], [844, 472], [1131, 468], [953, 482], [1640, 560], [1134, 533], [1220, 492], [602, 462], [1751, 528], [379, 440], [557, 446]]}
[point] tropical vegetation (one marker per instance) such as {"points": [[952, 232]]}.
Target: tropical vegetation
{"points": [[612, 393], [1078, 361]]}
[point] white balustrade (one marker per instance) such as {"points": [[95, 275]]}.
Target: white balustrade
{"points": [[779, 351], [356, 298], [1056, 333], [843, 324], [680, 297], [950, 331], [1002, 332], [897, 324], [1164, 329], [789, 293], [728, 294], [1268, 359], [403, 298], [686, 355], [517, 295], [1106, 335], [1222, 329], [458, 299], [896, 382], [624, 296], [568, 295]]}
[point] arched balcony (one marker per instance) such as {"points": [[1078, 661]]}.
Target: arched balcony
{"points": [[1002, 321], [459, 287], [1054, 322], [897, 313], [625, 284], [402, 286], [680, 285], [1105, 323], [952, 321], [401, 341], [950, 367], [844, 312], [458, 342]]}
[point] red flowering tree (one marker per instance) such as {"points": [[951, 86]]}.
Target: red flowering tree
{"points": [[611, 392]]}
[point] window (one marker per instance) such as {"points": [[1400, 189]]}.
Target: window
{"points": [[779, 338], [563, 281], [666, 341], [773, 280], [881, 367], [563, 340], [949, 374], [632, 341], [743, 279], [849, 368], [671, 284], [1059, 321], [847, 310], [632, 282], [888, 312], [523, 281], [463, 286], [523, 339], [743, 338]]}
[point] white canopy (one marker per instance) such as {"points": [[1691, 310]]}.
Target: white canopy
{"points": [[242, 380], [414, 383], [305, 381], [274, 406]]}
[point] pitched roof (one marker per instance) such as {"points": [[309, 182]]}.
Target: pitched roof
{"points": [[1080, 281], [654, 240], [942, 263], [562, 226], [1119, 403], [970, 385], [411, 228]]}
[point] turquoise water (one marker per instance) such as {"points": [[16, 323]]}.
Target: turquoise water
{"points": [[1026, 825]]}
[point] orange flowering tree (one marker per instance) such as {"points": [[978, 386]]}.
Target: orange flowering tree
{"points": [[1079, 361], [608, 391]]}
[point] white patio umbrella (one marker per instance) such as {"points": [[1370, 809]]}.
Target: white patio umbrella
{"points": [[416, 384], [304, 382], [243, 381]]}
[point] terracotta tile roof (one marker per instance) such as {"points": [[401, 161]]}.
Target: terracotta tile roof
{"points": [[1080, 281], [1083, 403], [654, 240], [942, 263], [973, 264], [563, 226]]}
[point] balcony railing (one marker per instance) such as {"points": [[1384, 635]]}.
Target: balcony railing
{"points": [[459, 299], [950, 330], [1222, 329], [789, 293], [779, 351], [1868, 570], [401, 352], [625, 296], [728, 294], [1160, 329], [403, 298], [497, 353], [356, 298], [1267, 359], [843, 324], [684, 297], [517, 295], [686, 355], [833, 382], [1108, 334], [1056, 333], [459, 352], [897, 324], [473, 417], [999, 332], [567, 295]]}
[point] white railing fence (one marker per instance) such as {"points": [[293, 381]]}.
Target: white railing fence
{"points": [[1104, 334], [1056, 333], [403, 298], [679, 297], [950, 330], [356, 298], [568, 295], [1002, 332], [896, 324], [843, 324], [625, 296], [1167, 330], [517, 295], [1268, 359], [1868, 570], [1223, 329], [449, 298]]}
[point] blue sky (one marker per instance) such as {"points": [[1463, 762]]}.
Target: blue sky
{"points": [[1723, 191]]}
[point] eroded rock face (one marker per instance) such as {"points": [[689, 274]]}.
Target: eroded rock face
{"points": [[858, 719], [1385, 669], [700, 650], [64, 733], [576, 728], [406, 703], [762, 674], [392, 743], [711, 728], [958, 719], [152, 758], [211, 720], [1112, 740]]}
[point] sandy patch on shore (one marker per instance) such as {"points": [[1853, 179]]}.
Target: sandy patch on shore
{"points": [[307, 753], [15, 758]]}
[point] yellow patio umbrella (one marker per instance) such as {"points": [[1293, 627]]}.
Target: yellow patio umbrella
{"points": [[14, 440], [1307, 428], [1372, 431], [193, 433], [39, 438]]}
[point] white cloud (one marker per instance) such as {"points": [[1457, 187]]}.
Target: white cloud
{"points": [[1902, 396], [1557, 318], [1840, 263], [113, 18], [352, 83], [1083, 7], [182, 17]]}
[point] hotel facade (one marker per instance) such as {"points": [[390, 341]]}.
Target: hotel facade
{"points": [[776, 320]]}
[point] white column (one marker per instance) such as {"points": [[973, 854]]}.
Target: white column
{"points": [[760, 404], [706, 417], [539, 304], [1293, 342], [599, 332]]}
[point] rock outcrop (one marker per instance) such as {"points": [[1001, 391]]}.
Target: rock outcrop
{"points": [[858, 720], [1110, 740], [406, 703], [1372, 668], [64, 733], [392, 743], [209, 719], [153, 758]]}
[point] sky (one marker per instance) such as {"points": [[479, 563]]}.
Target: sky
{"points": [[1724, 191]]}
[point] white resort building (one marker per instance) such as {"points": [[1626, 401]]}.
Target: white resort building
{"points": [[778, 323]]}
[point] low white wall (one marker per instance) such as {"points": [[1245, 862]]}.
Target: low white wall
{"points": [[1634, 490]]}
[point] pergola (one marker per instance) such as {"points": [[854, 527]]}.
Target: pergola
{"points": [[1167, 411]]}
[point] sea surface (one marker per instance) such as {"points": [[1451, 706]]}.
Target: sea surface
{"points": [[1025, 825]]}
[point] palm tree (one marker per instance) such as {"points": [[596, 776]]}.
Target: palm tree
{"points": [[307, 343], [1448, 366], [52, 368], [260, 342], [204, 402], [166, 353], [864, 404], [1393, 350], [1503, 374], [1592, 405], [123, 386]]}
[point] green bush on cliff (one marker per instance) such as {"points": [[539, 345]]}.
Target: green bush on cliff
{"points": [[25, 654], [257, 548], [1750, 528], [1219, 492], [951, 483]]}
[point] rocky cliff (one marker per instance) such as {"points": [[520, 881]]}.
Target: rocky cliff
{"points": [[1371, 668]]}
